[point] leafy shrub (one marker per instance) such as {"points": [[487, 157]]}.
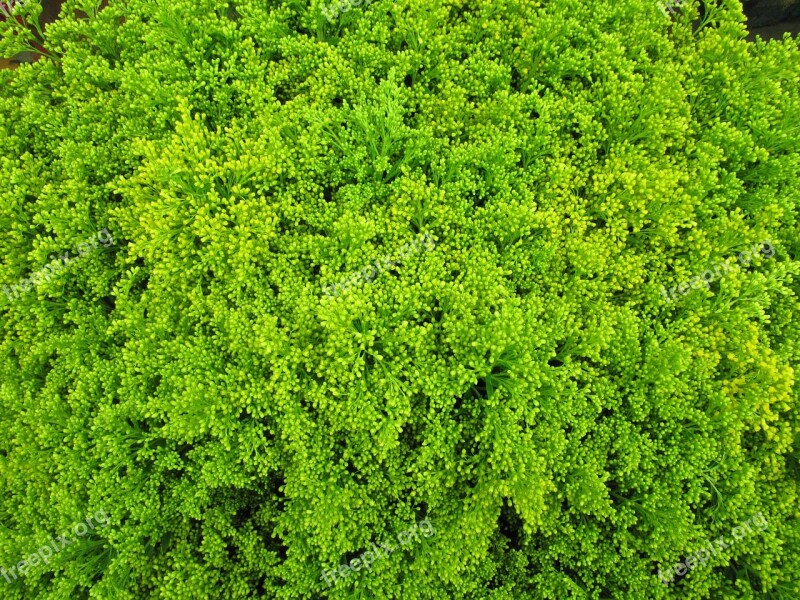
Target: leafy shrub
{"points": [[524, 385]]}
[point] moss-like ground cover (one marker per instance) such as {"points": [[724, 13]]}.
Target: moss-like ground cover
{"points": [[521, 383]]}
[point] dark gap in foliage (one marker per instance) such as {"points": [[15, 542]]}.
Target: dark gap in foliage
{"points": [[109, 303], [140, 285], [509, 523], [338, 448], [281, 94], [173, 474], [522, 290], [352, 554], [613, 488], [184, 450], [731, 570], [678, 578], [303, 399], [435, 312], [244, 513], [589, 363], [154, 384], [205, 281], [458, 403], [477, 199], [231, 12], [409, 437], [40, 229], [144, 426], [47, 577], [260, 591], [209, 121], [573, 575], [793, 463], [232, 552], [494, 583], [457, 13], [763, 13], [277, 483], [479, 389], [277, 546], [555, 362], [369, 361]]}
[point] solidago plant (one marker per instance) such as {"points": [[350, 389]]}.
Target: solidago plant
{"points": [[20, 30], [523, 384]]}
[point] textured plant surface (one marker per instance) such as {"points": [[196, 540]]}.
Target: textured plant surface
{"points": [[524, 384]]}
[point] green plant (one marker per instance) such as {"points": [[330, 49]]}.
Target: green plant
{"points": [[524, 385]]}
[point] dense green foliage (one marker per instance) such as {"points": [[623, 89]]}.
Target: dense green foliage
{"points": [[523, 383]]}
